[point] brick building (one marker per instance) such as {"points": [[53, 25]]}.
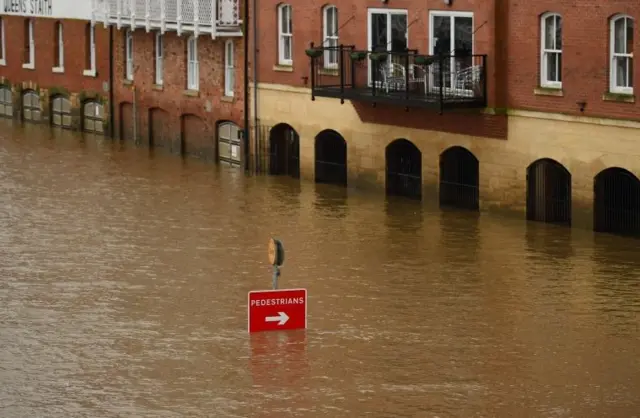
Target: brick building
{"points": [[178, 74], [472, 104], [54, 65]]}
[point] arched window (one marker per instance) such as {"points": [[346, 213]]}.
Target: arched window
{"points": [[551, 50], [621, 52], [31, 108], [61, 112], [285, 35], [330, 36], [93, 117]]}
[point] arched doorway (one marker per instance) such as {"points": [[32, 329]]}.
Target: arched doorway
{"points": [[6, 102], [31, 106], [126, 121], [459, 179], [403, 169], [159, 129], [548, 192], [229, 144], [284, 150], [331, 158], [195, 138], [61, 112], [617, 202], [93, 117]]}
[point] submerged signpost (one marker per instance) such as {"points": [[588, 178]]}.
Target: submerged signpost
{"points": [[277, 309]]}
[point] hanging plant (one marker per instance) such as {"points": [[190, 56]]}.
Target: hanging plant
{"points": [[313, 52], [424, 60], [358, 55], [378, 56]]}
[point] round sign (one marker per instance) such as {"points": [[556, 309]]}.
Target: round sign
{"points": [[276, 252]]}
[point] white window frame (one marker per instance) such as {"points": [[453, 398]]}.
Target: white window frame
{"points": [[60, 40], [31, 65], [3, 50], [159, 59], [284, 37], [432, 45], [229, 68], [613, 78], [544, 52], [388, 12], [193, 65], [330, 39], [91, 72], [128, 51]]}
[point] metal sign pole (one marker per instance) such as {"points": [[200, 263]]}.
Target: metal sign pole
{"points": [[276, 274]]}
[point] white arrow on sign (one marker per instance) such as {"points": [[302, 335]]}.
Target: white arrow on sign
{"points": [[281, 319]]}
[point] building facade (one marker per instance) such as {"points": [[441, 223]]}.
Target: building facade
{"points": [[178, 74], [54, 65], [475, 105]]}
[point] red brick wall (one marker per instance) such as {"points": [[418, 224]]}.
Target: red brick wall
{"points": [[585, 56], [209, 105], [74, 60], [307, 28]]}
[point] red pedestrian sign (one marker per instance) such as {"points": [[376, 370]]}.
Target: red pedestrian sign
{"points": [[277, 310]]}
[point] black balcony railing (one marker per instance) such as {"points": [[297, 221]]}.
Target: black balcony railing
{"points": [[401, 78]]}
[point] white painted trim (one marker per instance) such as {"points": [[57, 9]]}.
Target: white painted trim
{"points": [[543, 77], [3, 62], [281, 59], [57, 70], [612, 72], [29, 66], [89, 73]]}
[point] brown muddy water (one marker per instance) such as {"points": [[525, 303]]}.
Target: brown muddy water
{"points": [[124, 278]]}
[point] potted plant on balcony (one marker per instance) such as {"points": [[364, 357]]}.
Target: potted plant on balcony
{"points": [[358, 55], [424, 60], [313, 52], [378, 56]]}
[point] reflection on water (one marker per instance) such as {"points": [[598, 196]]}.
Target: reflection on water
{"points": [[125, 277]]}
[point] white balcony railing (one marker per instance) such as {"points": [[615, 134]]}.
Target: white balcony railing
{"points": [[214, 17]]}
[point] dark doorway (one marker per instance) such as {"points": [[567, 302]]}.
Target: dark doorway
{"points": [[459, 178], [617, 202], [284, 150], [548, 192], [159, 132], [404, 169], [331, 158]]}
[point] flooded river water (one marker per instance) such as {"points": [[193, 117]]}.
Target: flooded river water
{"points": [[124, 279]]}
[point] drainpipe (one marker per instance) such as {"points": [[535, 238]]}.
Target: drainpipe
{"points": [[112, 116], [246, 85], [255, 80]]}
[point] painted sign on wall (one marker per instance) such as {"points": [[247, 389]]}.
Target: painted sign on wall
{"points": [[59, 9]]}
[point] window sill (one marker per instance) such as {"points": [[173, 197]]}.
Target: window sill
{"points": [[157, 87], [329, 71], [619, 97], [127, 82], [89, 73], [228, 99], [283, 68], [57, 70], [548, 91], [29, 66], [3, 62], [192, 93]]}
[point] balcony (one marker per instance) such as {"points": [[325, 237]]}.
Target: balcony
{"points": [[211, 17], [405, 78]]}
